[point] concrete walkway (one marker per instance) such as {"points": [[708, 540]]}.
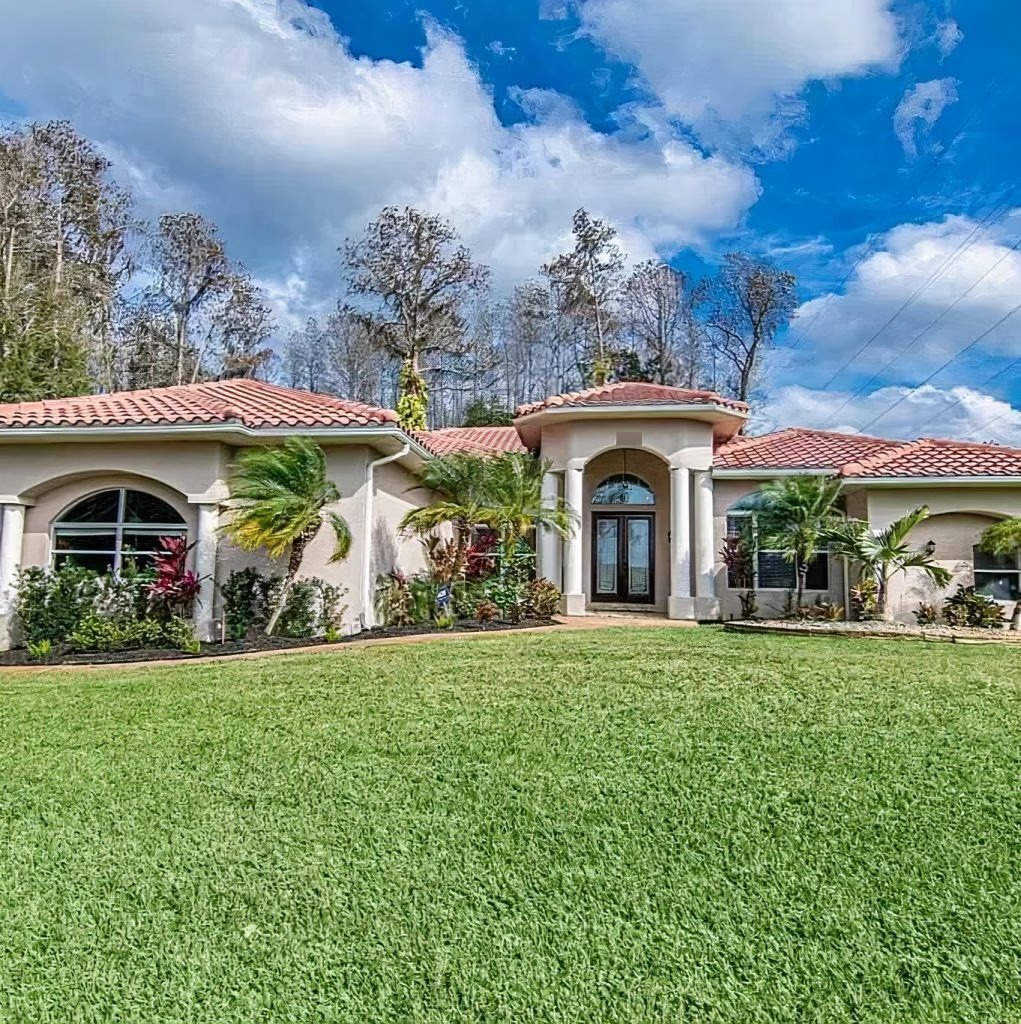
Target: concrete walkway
{"points": [[568, 623]]}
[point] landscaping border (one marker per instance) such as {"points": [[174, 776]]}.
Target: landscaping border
{"points": [[875, 631]]}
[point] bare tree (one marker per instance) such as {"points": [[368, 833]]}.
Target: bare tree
{"points": [[657, 314], [746, 304], [415, 278], [587, 282], [63, 256], [305, 360], [239, 331], [192, 274]]}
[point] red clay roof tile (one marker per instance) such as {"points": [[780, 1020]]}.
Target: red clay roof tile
{"points": [[472, 440], [633, 393], [251, 403], [855, 456]]}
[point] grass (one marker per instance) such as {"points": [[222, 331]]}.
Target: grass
{"points": [[626, 825]]}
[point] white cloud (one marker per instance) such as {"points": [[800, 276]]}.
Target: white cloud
{"points": [[925, 268], [257, 113], [743, 62], [919, 109], [958, 412], [948, 36]]}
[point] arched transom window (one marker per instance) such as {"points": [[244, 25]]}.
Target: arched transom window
{"points": [[105, 530], [624, 489]]}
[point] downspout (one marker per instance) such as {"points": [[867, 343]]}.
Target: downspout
{"points": [[847, 589], [368, 605]]}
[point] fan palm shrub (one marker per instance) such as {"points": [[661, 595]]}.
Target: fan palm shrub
{"points": [[502, 492], [884, 553], [796, 516], [280, 499]]}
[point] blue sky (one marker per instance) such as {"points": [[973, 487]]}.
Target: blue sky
{"points": [[868, 145]]}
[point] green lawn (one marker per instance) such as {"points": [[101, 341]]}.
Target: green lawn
{"points": [[644, 825]]}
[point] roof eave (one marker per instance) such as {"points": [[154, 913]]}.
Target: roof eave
{"points": [[226, 431], [935, 481]]}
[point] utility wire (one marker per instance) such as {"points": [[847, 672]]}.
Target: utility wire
{"points": [[958, 401], [802, 333], [940, 369], [918, 337]]}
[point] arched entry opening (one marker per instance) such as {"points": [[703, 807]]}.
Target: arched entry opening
{"points": [[624, 540]]}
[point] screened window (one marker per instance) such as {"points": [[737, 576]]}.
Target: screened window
{"points": [[998, 576], [624, 489], [772, 570], [105, 530]]}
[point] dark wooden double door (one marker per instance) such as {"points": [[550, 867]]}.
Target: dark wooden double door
{"points": [[623, 557]]}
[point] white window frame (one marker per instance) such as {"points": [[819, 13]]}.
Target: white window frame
{"points": [[756, 551], [62, 527]]}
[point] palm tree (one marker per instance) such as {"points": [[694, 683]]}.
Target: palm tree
{"points": [[281, 499], [886, 552], [1004, 538], [457, 481], [796, 516], [513, 502], [503, 492]]}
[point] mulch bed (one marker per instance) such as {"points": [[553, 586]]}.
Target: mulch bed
{"points": [[257, 644], [876, 630]]}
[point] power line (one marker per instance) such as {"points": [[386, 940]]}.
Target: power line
{"points": [[870, 247], [875, 377], [940, 369], [958, 401]]}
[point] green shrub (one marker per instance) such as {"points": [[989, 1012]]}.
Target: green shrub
{"points": [[313, 609], [968, 608], [466, 596], [542, 600], [926, 614], [97, 635], [51, 603], [445, 619], [865, 599], [247, 601], [393, 600], [41, 650], [486, 611]]}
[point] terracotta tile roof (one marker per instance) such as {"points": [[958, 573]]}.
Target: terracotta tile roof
{"points": [[474, 440], [251, 403], [933, 457], [633, 393], [855, 456], [797, 448]]}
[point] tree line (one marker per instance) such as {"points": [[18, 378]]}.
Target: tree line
{"points": [[92, 298]]}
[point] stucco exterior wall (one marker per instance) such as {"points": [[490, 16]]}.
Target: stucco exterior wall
{"points": [[726, 494], [53, 477], [955, 535], [681, 442]]}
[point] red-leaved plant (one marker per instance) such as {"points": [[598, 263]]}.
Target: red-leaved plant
{"points": [[480, 560], [175, 588]]}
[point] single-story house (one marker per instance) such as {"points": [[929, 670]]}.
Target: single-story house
{"points": [[658, 477]]}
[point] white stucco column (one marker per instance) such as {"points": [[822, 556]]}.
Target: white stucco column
{"points": [[681, 604], [12, 531], [706, 604], [206, 544], [574, 588], [550, 547]]}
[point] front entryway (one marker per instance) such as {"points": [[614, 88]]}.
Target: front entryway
{"points": [[623, 557]]}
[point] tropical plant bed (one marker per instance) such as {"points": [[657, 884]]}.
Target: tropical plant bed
{"points": [[259, 643], [882, 630]]}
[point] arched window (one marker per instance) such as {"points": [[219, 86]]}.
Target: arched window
{"points": [[624, 489], [107, 529]]}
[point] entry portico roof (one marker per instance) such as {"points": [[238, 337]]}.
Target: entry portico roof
{"points": [[250, 403], [629, 393]]}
